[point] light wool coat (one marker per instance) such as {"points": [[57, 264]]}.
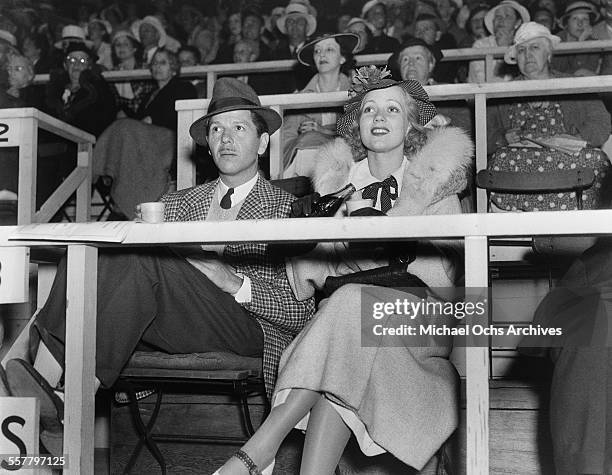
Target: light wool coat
{"points": [[395, 397]]}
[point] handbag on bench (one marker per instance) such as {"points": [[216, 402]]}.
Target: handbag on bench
{"points": [[393, 275]]}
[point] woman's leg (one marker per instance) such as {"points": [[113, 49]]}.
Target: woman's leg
{"points": [[264, 444], [326, 438]]}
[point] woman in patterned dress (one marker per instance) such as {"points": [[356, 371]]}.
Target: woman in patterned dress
{"points": [[583, 120]]}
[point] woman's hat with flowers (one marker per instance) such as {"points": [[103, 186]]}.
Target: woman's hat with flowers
{"points": [[369, 78]]}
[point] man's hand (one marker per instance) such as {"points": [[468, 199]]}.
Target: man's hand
{"points": [[219, 273], [308, 126], [512, 136]]}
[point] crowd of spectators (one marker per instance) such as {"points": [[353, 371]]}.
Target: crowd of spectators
{"points": [[126, 35], [76, 42]]}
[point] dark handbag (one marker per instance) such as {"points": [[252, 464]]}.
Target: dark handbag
{"points": [[394, 275]]}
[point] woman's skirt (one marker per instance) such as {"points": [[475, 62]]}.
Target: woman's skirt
{"points": [[394, 397]]}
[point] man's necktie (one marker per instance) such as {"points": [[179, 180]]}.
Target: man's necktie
{"points": [[388, 192], [226, 201]]}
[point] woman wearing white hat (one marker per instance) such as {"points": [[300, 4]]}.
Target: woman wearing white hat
{"points": [[577, 22], [151, 34], [569, 127], [501, 21]]}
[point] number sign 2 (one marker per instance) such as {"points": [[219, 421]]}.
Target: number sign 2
{"points": [[10, 132]]}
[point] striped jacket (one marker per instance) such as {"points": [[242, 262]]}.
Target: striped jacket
{"points": [[273, 303]]}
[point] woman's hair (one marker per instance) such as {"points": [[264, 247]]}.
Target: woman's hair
{"points": [[415, 137], [349, 60], [175, 66], [138, 52], [26, 63], [193, 50]]}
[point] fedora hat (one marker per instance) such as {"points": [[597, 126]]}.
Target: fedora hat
{"points": [[580, 6], [528, 31], [297, 10], [393, 61], [230, 94], [80, 46], [520, 10], [347, 41], [74, 33], [371, 78], [155, 23]]}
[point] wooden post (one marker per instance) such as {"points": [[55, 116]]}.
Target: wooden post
{"points": [[480, 112], [83, 194], [477, 368], [489, 67], [80, 358], [28, 149], [185, 166], [276, 153], [211, 79]]}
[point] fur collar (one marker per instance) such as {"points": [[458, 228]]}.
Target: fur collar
{"points": [[440, 169]]}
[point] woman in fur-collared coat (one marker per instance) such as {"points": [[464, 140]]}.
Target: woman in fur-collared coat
{"points": [[334, 381]]}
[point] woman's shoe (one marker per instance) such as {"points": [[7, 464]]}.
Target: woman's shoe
{"points": [[248, 462]]}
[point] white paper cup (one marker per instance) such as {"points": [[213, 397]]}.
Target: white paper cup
{"points": [[152, 212], [353, 205]]}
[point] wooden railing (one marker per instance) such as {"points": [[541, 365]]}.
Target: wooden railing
{"points": [[474, 228], [212, 71], [190, 110], [19, 128]]}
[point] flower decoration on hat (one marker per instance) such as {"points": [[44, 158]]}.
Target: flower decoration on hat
{"points": [[367, 78]]}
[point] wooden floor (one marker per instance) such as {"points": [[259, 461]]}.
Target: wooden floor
{"points": [[520, 443]]}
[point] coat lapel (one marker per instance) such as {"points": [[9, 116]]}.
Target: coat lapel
{"points": [[201, 205], [257, 202]]}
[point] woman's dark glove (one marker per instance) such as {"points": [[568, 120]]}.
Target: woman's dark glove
{"points": [[367, 212], [303, 207]]}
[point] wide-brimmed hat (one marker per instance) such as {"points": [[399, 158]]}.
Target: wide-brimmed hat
{"points": [[520, 9], [155, 23], [347, 41], [122, 33], [371, 78], [393, 61], [80, 46], [8, 37], [528, 31], [230, 94], [580, 6], [369, 5], [73, 33], [297, 10]]}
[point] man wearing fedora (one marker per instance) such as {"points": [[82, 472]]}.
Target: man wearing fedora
{"points": [[297, 25], [227, 298]]}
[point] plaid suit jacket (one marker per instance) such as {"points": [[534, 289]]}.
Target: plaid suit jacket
{"points": [[273, 303]]}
